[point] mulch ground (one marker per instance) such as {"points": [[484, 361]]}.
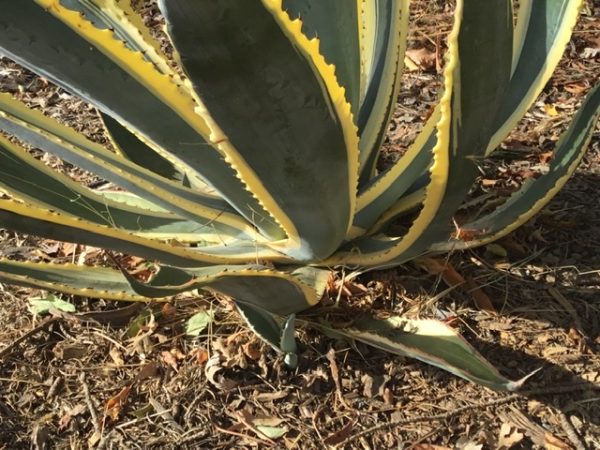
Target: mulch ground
{"points": [[127, 376]]}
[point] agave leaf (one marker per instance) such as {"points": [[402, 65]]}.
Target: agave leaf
{"points": [[385, 189], [259, 286], [432, 342], [34, 128], [268, 72], [340, 44], [85, 281], [384, 77], [281, 338], [404, 205], [536, 193], [26, 218], [288, 342], [26, 178], [262, 323], [69, 50], [476, 75], [544, 28], [128, 145], [127, 26]]}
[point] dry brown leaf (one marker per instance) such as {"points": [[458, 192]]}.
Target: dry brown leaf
{"points": [[487, 182], [575, 88], [546, 157], [168, 310], [114, 405], [508, 437], [452, 278], [340, 435], [200, 355], [335, 374], [67, 249], [115, 355], [422, 57], [551, 442], [252, 351], [170, 359], [270, 396], [213, 366], [148, 370], [64, 422], [481, 299]]}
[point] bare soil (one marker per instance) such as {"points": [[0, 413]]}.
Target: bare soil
{"points": [[127, 376]]}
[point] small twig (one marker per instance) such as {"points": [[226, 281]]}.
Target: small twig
{"points": [[244, 436], [335, 374], [565, 423], [41, 327], [455, 412], [90, 404]]}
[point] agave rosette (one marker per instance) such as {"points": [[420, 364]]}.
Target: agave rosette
{"points": [[258, 151]]}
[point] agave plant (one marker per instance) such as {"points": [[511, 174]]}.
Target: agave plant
{"points": [[246, 161]]}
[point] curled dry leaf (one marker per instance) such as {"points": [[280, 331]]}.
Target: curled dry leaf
{"points": [[508, 437], [200, 355], [213, 367], [172, 357], [252, 350], [115, 404]]}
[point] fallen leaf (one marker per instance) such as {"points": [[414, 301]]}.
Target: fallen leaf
{"points": [[430, 447], [452, 278], [422, 57], [487, 182], [551, 442], [114, 405], [496, 250], [481, 299], [550, 110], [272, 432], [252, 351], [200, 354], [198, 323], [169, 359], [575, 88], [213, 367], [63, 423], [340, 435], [148, 370], [41, 306], [115, 355], [590, 52], [67, 249], [65, 351], [546, 157], [168, 310], [508, 437]]}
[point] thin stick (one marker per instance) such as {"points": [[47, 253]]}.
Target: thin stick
{"points": [[90, 404], [455, 412], [570, 431]]}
